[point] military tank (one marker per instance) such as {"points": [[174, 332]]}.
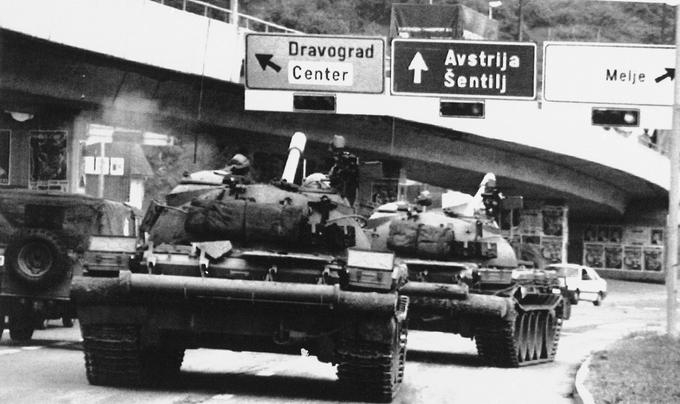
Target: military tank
{"points": [[230, 264], [464, 278]]}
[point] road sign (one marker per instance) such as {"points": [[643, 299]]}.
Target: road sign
{"points": [[599, 73], [315, 63], [472, 69]]}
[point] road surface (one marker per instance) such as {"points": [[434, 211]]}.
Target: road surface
{"points": [[440, 368]]}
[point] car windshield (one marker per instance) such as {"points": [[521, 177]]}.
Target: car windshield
{"points": [[564, 271]]}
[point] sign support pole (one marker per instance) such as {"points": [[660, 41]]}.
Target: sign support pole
{"points": [[674, 197]]}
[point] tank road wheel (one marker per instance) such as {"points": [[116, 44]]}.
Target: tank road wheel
{"points": [[373, 371], [114, 357], [530, 339]]}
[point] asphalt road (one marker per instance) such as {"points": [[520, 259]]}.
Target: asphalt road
{"points": [[441, 368]]}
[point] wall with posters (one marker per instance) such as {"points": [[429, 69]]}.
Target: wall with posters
{"points": [[541, 233], [624, 251], [35, 149]]}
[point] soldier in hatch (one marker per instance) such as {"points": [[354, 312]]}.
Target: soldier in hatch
{"points": [[238, 169], [344, 175]]}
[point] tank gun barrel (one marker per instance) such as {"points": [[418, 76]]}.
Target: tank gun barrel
{"points": [[297, 146]]}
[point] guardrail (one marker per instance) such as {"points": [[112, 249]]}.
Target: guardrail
{"points": [[225, 15]]}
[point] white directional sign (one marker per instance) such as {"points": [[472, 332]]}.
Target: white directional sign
{"points": [[599, 73], [315, 63]]}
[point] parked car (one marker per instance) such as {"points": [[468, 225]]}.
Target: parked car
{"points": [[581, 282]]}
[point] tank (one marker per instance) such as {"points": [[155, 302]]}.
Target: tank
{"points": [[464, 278], [231, 264]]}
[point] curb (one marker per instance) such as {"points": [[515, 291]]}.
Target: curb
{"points": [[582, 394]]}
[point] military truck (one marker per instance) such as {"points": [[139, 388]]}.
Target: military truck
{"points": [[464, 278], [229, 264], [42, 237]]}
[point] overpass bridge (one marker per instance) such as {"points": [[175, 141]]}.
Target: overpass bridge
{"points": [[125, 63]]}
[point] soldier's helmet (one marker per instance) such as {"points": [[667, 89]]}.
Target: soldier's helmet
{"points": [[317, 181], [239, 164]]}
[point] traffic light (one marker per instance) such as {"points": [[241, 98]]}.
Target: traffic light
{"points": [[321, 103], [616, 117], [462, 109]]}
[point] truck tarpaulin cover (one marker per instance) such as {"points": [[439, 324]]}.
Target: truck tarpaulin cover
{"points": [[440, 22], [72, 217]]}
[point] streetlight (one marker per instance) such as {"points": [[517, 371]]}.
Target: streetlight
{"points": [[492, 5]]}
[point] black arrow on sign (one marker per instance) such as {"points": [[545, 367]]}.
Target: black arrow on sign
{"points": [[669, 73], [266, 60]]}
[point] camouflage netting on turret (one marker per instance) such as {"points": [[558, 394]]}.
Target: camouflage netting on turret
{"points": [[241, 220], [421, 240]]}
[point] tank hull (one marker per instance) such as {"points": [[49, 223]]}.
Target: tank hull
{"points": [[159, 317]]}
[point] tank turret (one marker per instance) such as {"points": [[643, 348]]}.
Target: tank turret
{"points": [[281, 215]]}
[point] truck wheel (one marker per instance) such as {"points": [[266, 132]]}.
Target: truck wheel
{"points": [[35, 256], [21, 324], [21, 334]]}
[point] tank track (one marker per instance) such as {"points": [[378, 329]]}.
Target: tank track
{"points": [[531, 338], [372, 371], [114, 357]]}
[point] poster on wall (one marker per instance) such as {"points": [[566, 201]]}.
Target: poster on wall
{"points": [[48, 156], [656, 237], [531, 222], [4, 156], [602, 234], [553, 217], [653, 258], [637, 235], [632, 258], [615, 234], [384, 191], [593, 255], [590, 233], [613, 256], [551, 249]]}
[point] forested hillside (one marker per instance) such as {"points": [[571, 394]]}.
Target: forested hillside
{"points": [[569, 20]]}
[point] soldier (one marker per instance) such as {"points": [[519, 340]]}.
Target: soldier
{"points": [[344, 174], [238, 169]]}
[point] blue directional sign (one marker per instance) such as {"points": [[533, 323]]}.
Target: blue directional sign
{"points": [[472, 69]]}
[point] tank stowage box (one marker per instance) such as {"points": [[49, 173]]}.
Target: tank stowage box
{"points": [[254, 267]]}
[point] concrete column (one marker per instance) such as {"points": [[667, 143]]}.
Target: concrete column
{"points": [[78, 135]]}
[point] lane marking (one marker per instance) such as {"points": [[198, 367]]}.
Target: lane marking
{"points": [[221, 397], [31, 348], [265, 372], [9, 351]]}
